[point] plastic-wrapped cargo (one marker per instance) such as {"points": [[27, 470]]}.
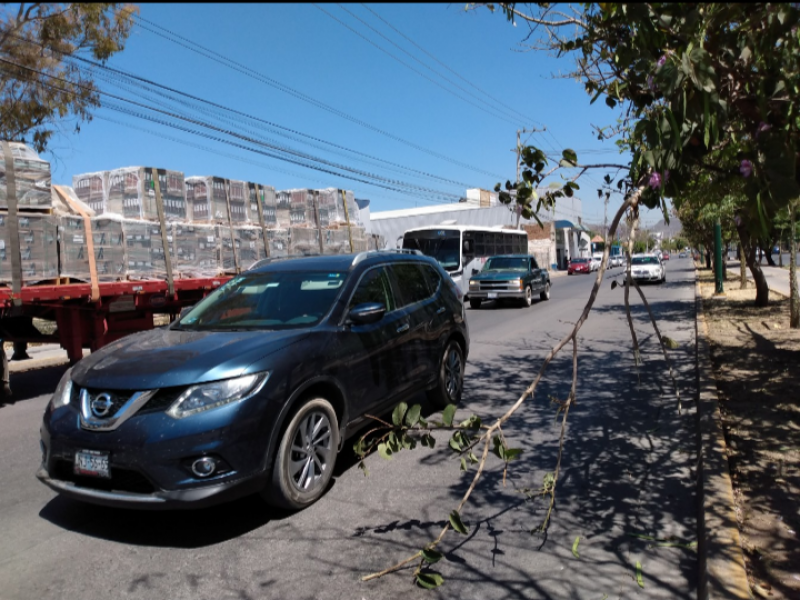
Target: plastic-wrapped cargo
{"points": [[208, 200], [283, 201], [197, 250], [109, 248], [304, 241], [301, 208], [336, 241], [90, 188], [278, 240], [269, 204], [130, 192], [32, 177], [248, 244], [38, 248], [332, 208], [144, 249]]}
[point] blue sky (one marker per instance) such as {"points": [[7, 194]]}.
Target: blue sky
{"points": [[302, 56]]}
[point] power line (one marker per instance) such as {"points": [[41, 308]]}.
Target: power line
{"points": [[495, 100], [236, 66], [353, 174], [507, 118]]}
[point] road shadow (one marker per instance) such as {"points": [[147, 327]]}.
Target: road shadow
{"points": [[170, 528], [33, 383]]}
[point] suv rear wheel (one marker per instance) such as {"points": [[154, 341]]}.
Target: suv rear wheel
{"points": [[306, 456], [450, 383]]}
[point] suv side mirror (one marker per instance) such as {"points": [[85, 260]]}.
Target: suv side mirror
{"points": [[366, 313]]}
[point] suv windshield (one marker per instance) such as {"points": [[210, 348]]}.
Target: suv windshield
{"points": [[506, 263], [280, 300]]}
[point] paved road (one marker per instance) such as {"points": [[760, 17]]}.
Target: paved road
{"points": [[627, 473]]}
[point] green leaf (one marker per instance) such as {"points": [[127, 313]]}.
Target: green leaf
{"points": [[575, 547], [412, 416], [706, 121], [669, 342], [457, 524], [610, 102], [431, 556], [429, 581], [454, 444], [363, 467], [384, 451], [512, 453], [639, 578], [399, 413], [472, 458], [569, 155], [464, 466], [448, 414]]}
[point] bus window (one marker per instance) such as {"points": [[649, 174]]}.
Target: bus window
{"points": [[480, 243]]}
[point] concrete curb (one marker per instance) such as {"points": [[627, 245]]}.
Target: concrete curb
{"points": [[721, 569]]}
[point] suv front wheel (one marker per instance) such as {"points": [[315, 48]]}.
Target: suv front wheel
{"points": [[306, 456], [451, 377]]}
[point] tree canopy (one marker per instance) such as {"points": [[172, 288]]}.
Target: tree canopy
{"points": [[42, 84]]}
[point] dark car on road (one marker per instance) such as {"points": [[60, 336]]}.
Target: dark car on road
{"points": [[509, 276], [579, 265], [256, 388]]}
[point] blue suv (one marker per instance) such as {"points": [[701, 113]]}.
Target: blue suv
{"points": [[257, 387]]}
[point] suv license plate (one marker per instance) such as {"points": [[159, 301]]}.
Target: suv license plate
{"points": [[492, 295], [93, 463]]}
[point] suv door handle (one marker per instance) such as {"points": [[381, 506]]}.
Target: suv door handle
{"points": [[403, 328], [440, 311]]}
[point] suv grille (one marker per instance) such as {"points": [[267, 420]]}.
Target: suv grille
{"points": [[490, 286]]}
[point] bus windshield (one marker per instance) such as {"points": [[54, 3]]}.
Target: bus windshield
{"points": [[442, 245]]}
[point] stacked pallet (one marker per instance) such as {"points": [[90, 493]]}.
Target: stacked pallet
{"points": [[147, 223]]}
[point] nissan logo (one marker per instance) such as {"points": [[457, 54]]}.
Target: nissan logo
{"points": [[101, 405]]}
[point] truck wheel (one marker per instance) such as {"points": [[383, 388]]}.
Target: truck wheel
{"points": [[450, 382], [528, 299], [306, 456], [545, 295], [474, 303]]}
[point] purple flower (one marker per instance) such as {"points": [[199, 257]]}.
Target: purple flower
{"points": [[655, 181], [662, 60], [762, 127], [746, 168], [651, 84]]}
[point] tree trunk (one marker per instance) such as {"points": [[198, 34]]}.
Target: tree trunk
{"points": [[749, 251], [742, 269], [794, 298]]}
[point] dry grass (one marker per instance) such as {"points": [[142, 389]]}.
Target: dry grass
{"points": [[756, 361]]}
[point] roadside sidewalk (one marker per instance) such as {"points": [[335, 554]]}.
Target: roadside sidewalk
{"points": [[41, 355], [777, 277]]}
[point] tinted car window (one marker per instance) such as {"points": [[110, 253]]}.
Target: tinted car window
{"points": [[412, 283], [433, 277], [266, 300], [373, 287]]}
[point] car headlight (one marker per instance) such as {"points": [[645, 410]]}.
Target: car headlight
{"points": [[206, 396], [517, 282], [63, 392], [473, 283]]}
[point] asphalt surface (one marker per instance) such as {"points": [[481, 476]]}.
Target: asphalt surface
{"points": [[626, 486]]}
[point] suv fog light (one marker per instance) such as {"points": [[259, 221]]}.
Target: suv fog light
{"points": [[204, 467]]}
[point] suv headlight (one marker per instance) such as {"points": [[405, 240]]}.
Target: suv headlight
{"points": [[473, 283], [63, 392], [212, 395]]}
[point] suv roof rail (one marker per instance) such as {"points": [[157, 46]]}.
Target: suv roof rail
{"points": [[266, 261], [363, 255]]}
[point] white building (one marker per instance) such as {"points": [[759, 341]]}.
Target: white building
{"points": [[483, 208]]}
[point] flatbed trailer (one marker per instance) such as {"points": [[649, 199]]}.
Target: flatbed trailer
{"points": [[88, 316]]}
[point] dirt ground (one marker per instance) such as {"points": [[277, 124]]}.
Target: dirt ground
{"points": [[756, 361]]}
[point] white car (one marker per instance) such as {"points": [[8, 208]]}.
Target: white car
{"points": [[597, 258], [648, 267], [615, 261]]}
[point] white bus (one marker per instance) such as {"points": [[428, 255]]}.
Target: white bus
{"points": [[463, 249]]}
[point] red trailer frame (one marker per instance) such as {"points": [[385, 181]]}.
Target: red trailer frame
{"points": [[122, 308]]}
